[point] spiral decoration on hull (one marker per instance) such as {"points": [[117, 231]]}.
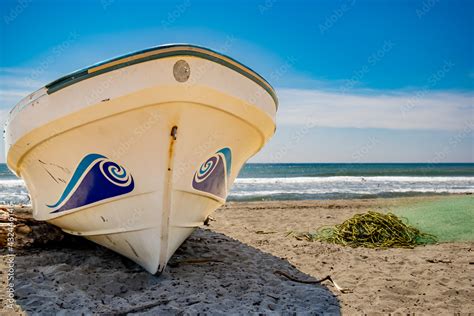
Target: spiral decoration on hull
{"points": [[96, 178], [212, 175]]}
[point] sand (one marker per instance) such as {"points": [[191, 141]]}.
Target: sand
{"points": [[248, 242]]}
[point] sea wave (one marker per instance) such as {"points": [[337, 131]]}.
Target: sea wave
{"points": [[344, 187], [11, 183], [333, 187], [305, 180], [13, 191], [359, 192]]}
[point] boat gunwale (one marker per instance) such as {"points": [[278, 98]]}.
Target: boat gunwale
{"points": [[159, 52]]}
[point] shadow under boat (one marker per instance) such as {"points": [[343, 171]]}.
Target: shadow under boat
{"points": [[82, 277]]}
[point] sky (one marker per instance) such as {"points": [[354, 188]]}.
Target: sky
{"points": [[358, 81]]}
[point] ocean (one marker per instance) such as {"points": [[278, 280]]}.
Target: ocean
{"points": [[317, 181]]}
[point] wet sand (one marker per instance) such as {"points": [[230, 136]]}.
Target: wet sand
{"points": [[246, 243]]}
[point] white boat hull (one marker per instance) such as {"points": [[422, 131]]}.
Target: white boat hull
{"points": [[135, 160]]}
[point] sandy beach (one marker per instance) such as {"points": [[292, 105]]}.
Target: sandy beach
{"points": [[242, 249]]}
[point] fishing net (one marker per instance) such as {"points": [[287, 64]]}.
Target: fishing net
{"points": [[450, 218], [372, 230], [436, 219]]}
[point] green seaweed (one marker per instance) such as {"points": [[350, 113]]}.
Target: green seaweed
{"points": [[371, 230]]}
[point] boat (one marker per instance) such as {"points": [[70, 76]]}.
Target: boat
{"points": [[134, 153]]}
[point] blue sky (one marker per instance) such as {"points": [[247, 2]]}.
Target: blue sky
{"points": [[358, 81]]}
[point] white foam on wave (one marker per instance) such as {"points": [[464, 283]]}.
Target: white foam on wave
{"points": [[12, 183], [350, 185], [14, 190], [303, 180], [355, 192]]}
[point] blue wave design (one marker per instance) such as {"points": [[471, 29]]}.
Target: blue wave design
{"points": [[228, 158], [211, 176], [104, 179], [119, 175], [85, 162]]}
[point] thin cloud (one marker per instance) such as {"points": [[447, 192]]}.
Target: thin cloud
{"points": [[17, 83], [15, 70], [8, 98], [12, 93], [418, 110], [3, 118]]}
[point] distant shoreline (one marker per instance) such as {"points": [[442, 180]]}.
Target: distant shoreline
{"points": [[323, 181]]}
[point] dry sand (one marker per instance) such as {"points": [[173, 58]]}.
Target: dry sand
{"points": [[250, 240]]}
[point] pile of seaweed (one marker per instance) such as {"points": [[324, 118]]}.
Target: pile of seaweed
{"points": [[371, 230]]}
